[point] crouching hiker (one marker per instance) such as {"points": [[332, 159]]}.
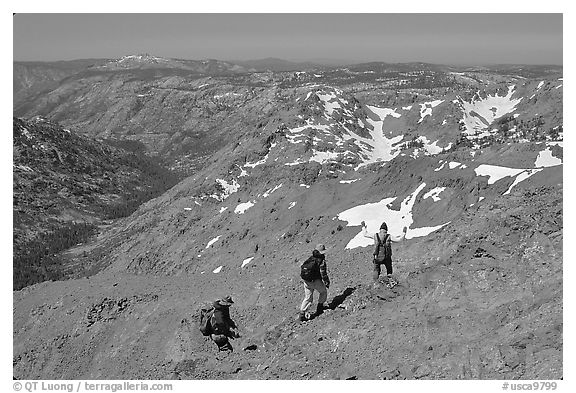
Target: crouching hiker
{"points": [[383, 250], [315, 278], [222, 325]]}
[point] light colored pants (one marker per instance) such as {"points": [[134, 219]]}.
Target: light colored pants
{"points": [[309, 288]]}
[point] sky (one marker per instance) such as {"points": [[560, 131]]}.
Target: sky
{"points": [[446, 38]]}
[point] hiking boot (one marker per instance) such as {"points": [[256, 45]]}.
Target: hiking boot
{"points": [[391, 282]]}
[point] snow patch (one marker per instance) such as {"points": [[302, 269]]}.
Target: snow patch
{"points": [[229, 189], [496, 173], [292, 204], [242, 207], [431, 148], [255, 164], [424, 231], [348, 181], [246, 261], [297, 162], [426, 108], [383, 112], [323, 156], [218, 269], [441, 166], [377, 148], [434, 193], [242, 171], [480, 113], [329, 104], [270, 191], [546, 159], [521, 177], [213, 241], [375, 213]]}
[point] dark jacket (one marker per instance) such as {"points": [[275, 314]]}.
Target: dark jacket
{"points": [[321, 258], [222, 321]]}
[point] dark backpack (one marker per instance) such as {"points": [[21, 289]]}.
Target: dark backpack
{"points": [[310, 269], [219, 322], [205, 325], [383, 249]]}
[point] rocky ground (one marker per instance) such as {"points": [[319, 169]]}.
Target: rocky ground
{"points": [[479, 299]]}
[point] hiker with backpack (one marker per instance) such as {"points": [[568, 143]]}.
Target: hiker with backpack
{"points": [[216, 323], [383, 250], [315, 278]]}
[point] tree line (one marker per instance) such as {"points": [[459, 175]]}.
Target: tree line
{"points": [[38, 260]]}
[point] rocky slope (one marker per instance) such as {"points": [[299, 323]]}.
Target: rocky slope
{"points": [[481, 298], [480, 273], [65, 186]]}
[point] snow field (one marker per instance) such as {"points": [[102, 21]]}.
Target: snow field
{"points": [[487, 110], [376, 213]]}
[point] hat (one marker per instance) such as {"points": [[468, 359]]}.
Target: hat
{"points": [[384, 226], [227, 301], [320, 247]]}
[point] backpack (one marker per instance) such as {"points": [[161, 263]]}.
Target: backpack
{"points": [[383, 249], [310, 270], [206, 315], [219, 323]]}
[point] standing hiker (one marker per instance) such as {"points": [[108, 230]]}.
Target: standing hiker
{"points": [[383, 250], [222, 324], [315, 278]]}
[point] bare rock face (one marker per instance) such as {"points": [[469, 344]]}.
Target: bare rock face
{"points": [[280, 164]]}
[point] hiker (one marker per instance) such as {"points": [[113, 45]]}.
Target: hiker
{"points": [[222, 324], [383, 249], [315, 278]]}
